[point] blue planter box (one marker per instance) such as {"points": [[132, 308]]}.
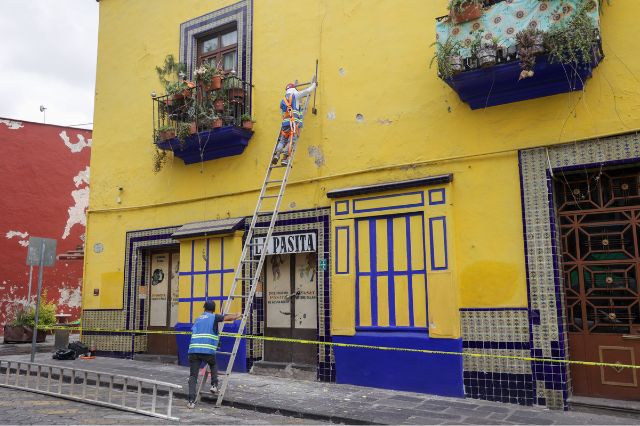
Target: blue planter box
{"points": [[214, 143], [225, 345], [498, 85], [409, 371]]}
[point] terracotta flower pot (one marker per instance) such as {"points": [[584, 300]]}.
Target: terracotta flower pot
{"points": [[248, 124], [469, 12], [217, 123], [218, 105], [167, 134]]}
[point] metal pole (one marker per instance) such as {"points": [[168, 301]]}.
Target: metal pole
{"points": [[30, 276], [35, 325]]}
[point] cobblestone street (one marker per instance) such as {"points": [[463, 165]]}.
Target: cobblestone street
{"points": [[18, 407]]}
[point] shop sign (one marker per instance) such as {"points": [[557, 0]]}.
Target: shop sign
{"points": [[285, 244]]}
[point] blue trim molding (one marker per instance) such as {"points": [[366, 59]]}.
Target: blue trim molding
{"points": [[339, 270], [437, 196], [445, 266], [392, 207], [341, 207]]}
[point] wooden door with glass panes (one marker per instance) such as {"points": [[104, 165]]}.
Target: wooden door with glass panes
{"points": [[599, 212], [162, 296]]}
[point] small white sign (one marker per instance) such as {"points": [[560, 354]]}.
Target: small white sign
{"points": [[285, 244]]}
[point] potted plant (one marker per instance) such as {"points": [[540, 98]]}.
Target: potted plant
{"points": [[218, 104], [234, 89], [247, 121], [530, 43], [165, 132], [488, 52], [448, 56], [465, 10], [180, 89], [20, 329], [209, 78]]}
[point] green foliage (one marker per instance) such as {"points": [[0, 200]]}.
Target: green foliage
{"points": [[459, 5], [247, 117], [205, 73], [159, 159], [26, 316], [573, 40], [170, 71], [443, 55]]}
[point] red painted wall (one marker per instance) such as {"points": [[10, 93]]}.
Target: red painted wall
{"points": [[43, 184]]}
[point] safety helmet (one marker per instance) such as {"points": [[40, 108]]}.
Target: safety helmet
{"points": [[290, 86]]}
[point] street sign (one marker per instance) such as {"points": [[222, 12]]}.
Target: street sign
{"points": [[35, 251]]}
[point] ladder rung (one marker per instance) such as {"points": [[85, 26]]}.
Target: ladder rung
{"points": [[250, 261], [270, 196], [239, 296], [223, 353], [278, 166], [274, 181], [244, 279]]}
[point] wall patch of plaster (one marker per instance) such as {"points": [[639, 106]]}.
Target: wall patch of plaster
{"points": [[75, 147], [331, 115], [22, 237], [12, 125], [315, 152]]}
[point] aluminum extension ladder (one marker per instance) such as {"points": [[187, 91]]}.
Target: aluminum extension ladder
{"points": [[254, 266], [138, 395]]}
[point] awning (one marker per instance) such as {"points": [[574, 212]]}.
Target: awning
{"points": [[209, 227], [388, 186]]}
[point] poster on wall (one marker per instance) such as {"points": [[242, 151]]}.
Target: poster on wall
{"points": [[278, 285], [159, 285], [175, 269], [306, 299]]}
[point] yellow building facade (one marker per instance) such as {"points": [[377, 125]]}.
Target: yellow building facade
{"points": [[422, 223]]}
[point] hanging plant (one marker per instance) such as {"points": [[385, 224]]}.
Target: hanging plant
{"points": [[573, 41], [159, 159]]}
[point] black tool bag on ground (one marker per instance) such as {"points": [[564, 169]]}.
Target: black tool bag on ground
{"points": [[79, 348], [64, 354]]}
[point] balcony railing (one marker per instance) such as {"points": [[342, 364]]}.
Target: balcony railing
{"points": [[202, 123]]}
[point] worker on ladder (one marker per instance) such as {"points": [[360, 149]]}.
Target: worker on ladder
{"points": [[291, 120], [203, 347]]}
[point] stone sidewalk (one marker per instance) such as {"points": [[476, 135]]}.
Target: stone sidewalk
{"points": [[342, 403]]}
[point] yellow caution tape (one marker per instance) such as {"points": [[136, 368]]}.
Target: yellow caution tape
{"points": [[353, 345]]}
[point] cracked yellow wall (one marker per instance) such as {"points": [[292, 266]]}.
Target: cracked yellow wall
{"points": [[374, 57]]}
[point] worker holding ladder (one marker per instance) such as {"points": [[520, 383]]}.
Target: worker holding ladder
{"points": [[291, 120]]}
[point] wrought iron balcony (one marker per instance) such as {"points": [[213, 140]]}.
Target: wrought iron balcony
{"points": [[202, 123], [513, 50]]}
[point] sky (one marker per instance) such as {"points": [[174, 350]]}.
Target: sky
{"points": [[48, 57]]}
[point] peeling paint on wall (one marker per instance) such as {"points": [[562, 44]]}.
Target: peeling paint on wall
{"points": [[331, 115], [70, 296], [22, 236], [12, 125], [316, 153], [78, 146], [78, 212]]}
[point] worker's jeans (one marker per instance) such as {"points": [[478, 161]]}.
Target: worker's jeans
{"points": [[194, 367], [281, 145]]}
